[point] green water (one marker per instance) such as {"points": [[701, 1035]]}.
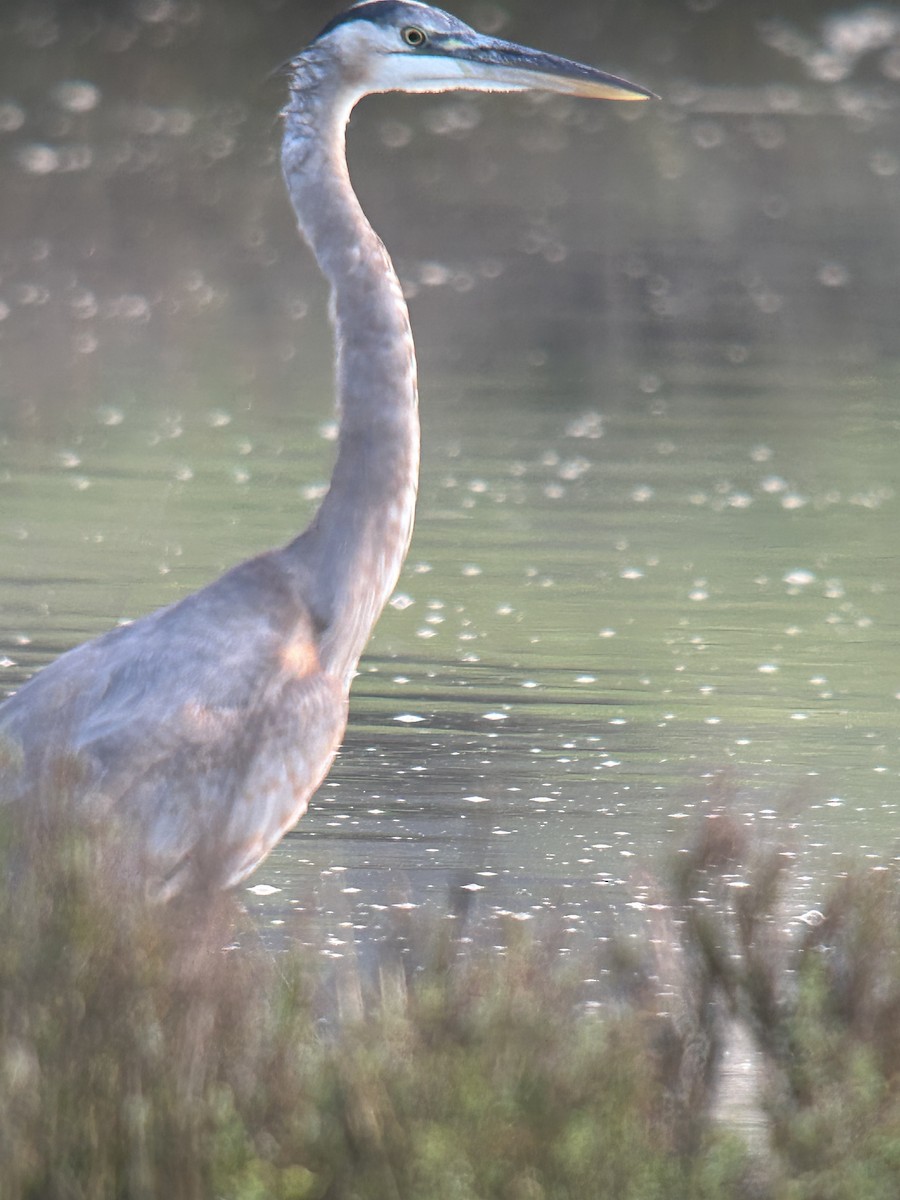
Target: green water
{"points": [[655, 566]]}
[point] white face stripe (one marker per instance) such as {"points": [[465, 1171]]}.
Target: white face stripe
{"points": [[376, 59], [436, 73]]}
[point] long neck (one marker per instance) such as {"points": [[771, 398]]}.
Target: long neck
{"points": [[353, 551]]}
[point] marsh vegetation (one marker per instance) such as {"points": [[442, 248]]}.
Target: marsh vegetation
{"points": [[167, 1051]]}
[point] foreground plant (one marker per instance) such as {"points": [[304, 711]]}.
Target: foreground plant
{"points": [[163, 1051], [820, 997]]}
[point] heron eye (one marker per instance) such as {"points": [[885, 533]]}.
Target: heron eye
{"points": [[413, 36]]}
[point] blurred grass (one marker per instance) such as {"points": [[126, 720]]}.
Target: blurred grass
{"points": [[140, 1057], [148, 1052]]}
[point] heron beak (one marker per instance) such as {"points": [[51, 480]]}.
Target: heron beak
{"points": [[504, 66]]}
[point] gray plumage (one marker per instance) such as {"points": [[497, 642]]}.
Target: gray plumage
{"points": [[200, 732]]}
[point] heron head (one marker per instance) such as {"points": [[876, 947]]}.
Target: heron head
{"points": [[399, 45]]}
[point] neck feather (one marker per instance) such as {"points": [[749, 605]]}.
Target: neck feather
{"points": [[353, 550]]}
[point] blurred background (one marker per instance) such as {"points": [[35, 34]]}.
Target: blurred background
{"points": [[656, 557], [140, 165]]}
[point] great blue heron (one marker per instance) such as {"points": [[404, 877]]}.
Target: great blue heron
{"points": [[201, 731]]}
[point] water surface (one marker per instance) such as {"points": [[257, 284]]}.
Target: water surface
{"points": [[655, 563]]}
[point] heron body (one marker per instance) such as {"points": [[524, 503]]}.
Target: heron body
{"points": [[200, 732]]}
